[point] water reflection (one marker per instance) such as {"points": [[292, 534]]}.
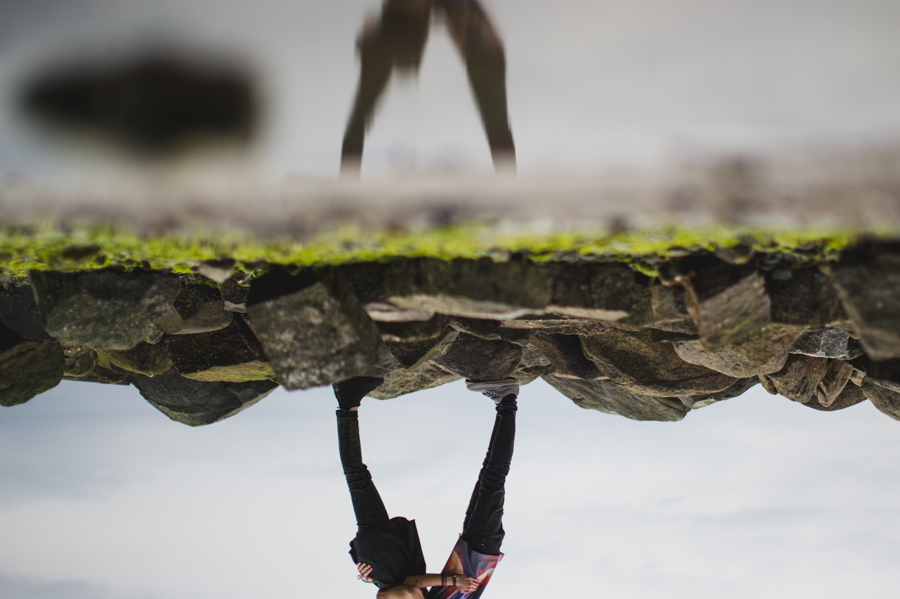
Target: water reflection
{"points": [[396, 42]]}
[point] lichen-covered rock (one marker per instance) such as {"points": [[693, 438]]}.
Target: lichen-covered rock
{"points": [[868, 284], [886, 400], [471, 288], [230, 354], [313, 330], [104, 309], [762, 352], [727, 304], [201, 309], [564, 352], [413, 331], [643, 367], [610, 398], [804, 297], [478, 359], [401, 381], [20, 313], [799, 379], [27, 367], [196, 403], [143, 358]]}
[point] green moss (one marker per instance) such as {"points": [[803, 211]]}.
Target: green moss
{"points": [[238, 373], [99, 247]]}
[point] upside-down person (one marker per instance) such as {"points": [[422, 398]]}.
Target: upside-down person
{"points": [[387, 551]]}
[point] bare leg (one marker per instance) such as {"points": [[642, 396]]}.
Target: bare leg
{"points": [[396, 40], [481, 49]]}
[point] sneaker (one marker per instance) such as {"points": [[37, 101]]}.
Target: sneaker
{"points": [[349, 393], [496, 390]]}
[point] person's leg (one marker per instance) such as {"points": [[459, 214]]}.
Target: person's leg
{"points": [[367, 503], [374, 74], [482, 51], [396, 41], [483, 526]]}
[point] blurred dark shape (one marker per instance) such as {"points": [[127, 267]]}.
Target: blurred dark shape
{"points": [[397, 41], [152, 103]]}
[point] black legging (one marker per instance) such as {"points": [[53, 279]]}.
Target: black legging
{"points": [[483, 526]]}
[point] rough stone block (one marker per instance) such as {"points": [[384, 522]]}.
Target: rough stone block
{"points": [[804, 297], [564, 352], [401, 381], [230, 354], [600, 292], [868, 284], [800, 378], [610, 398], [762, 352], [478, 359], [828, 343], [234, 296], [533, 364], [83, 364], [104, 309], [143, 358], [727, 304], [20, 313], [886, 400], [413, 331], [635, 362], [196, 403], [314, 331], [471, 288], [27, 367], [201, 309]]}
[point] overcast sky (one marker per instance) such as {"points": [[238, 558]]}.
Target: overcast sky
{"points": [[104, 497], [590, 82]]}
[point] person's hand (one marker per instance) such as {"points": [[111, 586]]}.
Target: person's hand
{"points": [[365, 571], [467, 584]]}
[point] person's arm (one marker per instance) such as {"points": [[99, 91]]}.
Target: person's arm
{"points": [[466, 584]]}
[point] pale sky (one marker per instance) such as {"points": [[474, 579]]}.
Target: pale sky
{"points": [[104, 497]]}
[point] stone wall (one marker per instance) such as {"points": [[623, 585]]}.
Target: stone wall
{"points": [[824, 333]]}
